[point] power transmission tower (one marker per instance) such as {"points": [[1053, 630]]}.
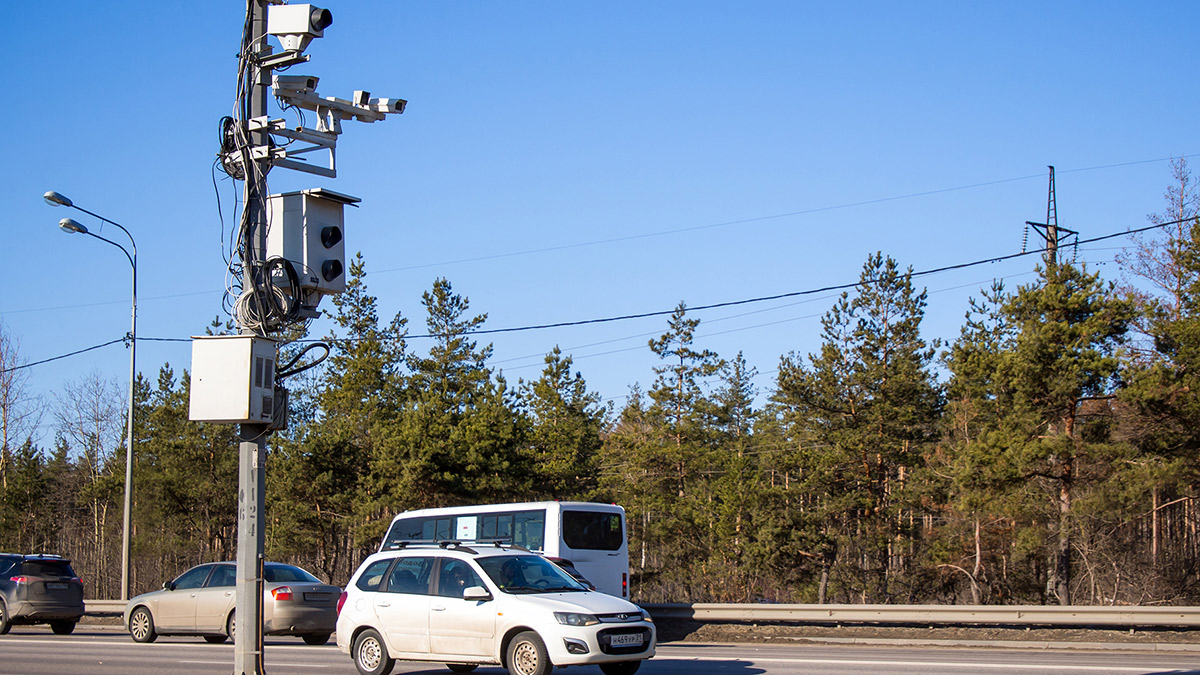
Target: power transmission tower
{"points": [[1054, 235]]}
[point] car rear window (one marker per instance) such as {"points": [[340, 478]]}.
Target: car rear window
{"points": [[277, 573], [372, 577], [47, 568], [593, 530]]}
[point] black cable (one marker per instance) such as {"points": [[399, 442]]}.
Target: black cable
{"points": [[756, 219], [63, 356], [286, 370], [625, 317], [780, 296]]}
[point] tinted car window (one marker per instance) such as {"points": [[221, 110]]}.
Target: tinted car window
{"points": [[454, 577], [410, 575], [224, 575], [592, 530], [372, 577], [47, 568], [274, 573], [6, 565], [193, 578]]}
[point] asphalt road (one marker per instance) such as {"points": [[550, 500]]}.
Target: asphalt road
{"points": [[105, 651]]}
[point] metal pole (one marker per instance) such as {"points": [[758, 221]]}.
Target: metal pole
{"points": [[56, 199], [248, 657], [129, 435]]}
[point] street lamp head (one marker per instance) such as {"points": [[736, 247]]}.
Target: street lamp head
{"points": [[68, 225], [54, 199]]}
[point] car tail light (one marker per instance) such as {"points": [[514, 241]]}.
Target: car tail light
{"points": [[25, 579], [341, 601], [624, 584], [283, 593]]}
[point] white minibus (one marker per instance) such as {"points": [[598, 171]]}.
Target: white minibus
{"points": [[589, 536]]}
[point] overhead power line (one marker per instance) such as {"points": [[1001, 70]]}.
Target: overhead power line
{"points": [[63, 356], [666, 312], [794, 294], [757, 219]]}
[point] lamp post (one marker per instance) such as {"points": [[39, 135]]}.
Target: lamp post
{"points": [[71, 226]]}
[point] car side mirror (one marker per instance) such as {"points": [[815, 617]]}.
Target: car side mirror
{"points": [[478, 593], [168, 585]]}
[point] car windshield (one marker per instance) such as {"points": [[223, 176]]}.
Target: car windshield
{"points": [[528, 574], [281, 573]]}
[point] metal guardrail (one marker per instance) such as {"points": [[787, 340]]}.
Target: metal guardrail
{"points": [[1019, 615], [103, 607], [1013, 615]]}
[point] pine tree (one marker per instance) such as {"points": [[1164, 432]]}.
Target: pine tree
{"points": [[737, 485], [1162, 413], [863, 410], [565, 424], [459, 437], [1031, 389]]}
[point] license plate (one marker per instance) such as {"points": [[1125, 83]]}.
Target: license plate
{"points": [[56, 586], [634, 639], [317, 597]]}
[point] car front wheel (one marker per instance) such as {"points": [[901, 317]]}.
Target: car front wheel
{"points": [[371, 654], [141, 626], [527, 655], [5, 623]]}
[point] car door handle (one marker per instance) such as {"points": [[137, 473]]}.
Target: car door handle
{"points": [[439, 608], [228, 593], [383, 604]]}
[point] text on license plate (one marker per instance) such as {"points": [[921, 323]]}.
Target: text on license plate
{"points": [[317, 597], [626, 640], [56, 586]]}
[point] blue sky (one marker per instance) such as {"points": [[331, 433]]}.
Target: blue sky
{"points": [[568, 161]]}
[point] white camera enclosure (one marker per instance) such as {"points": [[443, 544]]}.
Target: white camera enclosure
{"points": [[233, 379], [307, 229], [297, 25]]}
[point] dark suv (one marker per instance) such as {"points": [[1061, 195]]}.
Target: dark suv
{"points": [[39, 589]]}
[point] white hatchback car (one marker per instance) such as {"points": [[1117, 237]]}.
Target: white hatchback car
{"points": [[484, 604]]}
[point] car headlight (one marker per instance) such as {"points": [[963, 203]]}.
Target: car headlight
{"points": [[575, 619]]}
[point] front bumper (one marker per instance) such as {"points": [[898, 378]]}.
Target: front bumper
{"points": [[566, 644]]}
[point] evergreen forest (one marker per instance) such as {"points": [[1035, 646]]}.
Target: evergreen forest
{"points": [[1047, 455]]}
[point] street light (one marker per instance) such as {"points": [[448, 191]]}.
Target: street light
{"points": [[71, 226]]}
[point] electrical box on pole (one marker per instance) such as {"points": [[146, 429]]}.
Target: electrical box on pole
{"points": [[233, 380]]}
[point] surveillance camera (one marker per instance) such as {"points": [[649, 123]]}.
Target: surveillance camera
{"points": [[297, 25], [300, 83]]}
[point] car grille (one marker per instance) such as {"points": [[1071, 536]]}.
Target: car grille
{"points": [[605, 639], [625, 617]]}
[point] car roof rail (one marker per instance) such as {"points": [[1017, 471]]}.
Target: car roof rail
{"points": [[455, 544]]}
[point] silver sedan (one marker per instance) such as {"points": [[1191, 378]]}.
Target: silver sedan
{"points": [[201, 602]]}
